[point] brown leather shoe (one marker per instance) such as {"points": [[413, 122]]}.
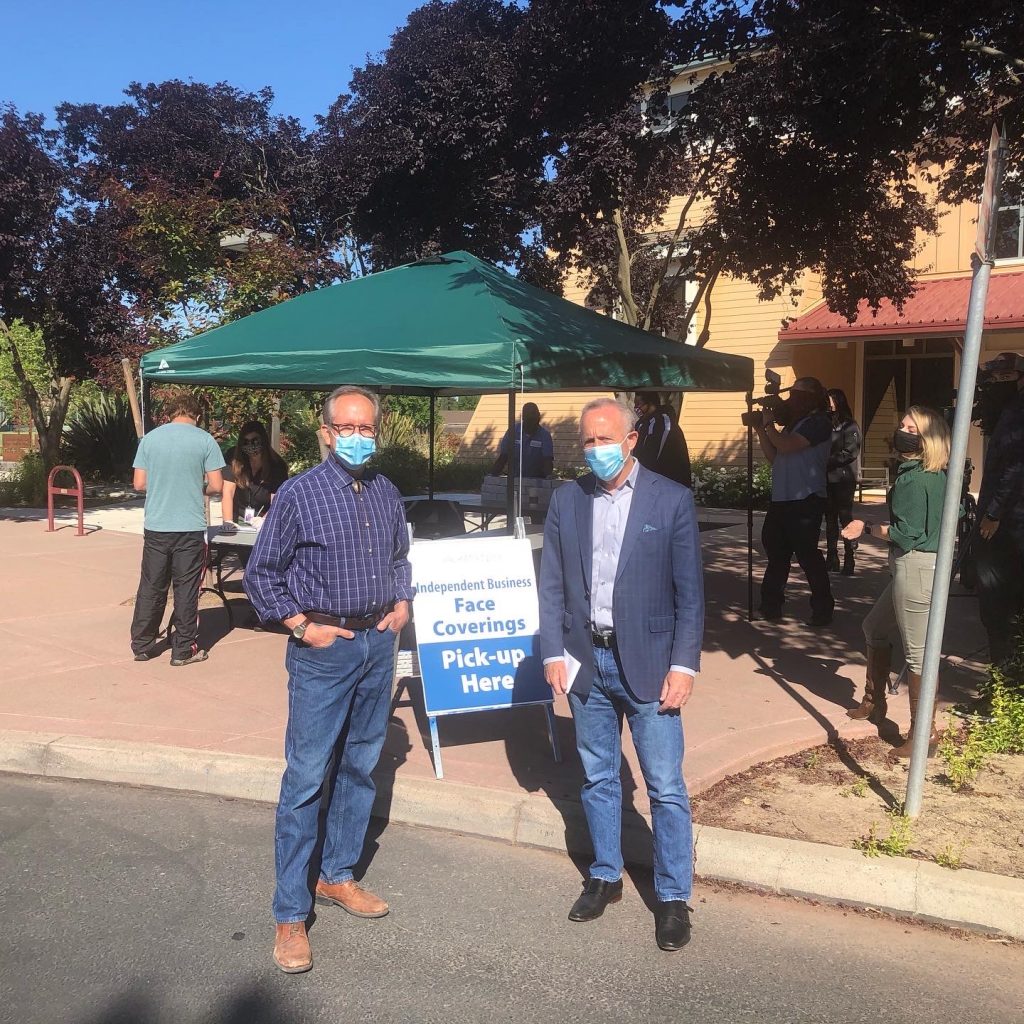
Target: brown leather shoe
{"points": [[350, 897], [291, 948]]}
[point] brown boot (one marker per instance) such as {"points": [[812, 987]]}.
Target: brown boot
{"points": [[874, 705], [350, 897], [291, 948], [905, 749]]}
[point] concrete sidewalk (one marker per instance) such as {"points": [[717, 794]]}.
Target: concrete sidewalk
{"points": [[764, 689], [74, 703]]}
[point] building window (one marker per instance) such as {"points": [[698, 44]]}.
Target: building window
{"points": [[1009, 244], [663, 116]]}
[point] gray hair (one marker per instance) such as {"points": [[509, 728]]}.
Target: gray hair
{"points": [[627, 413], [350, 389]]}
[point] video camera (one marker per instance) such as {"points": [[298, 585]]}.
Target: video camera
{"points": [[771, 400], [996, 386]]}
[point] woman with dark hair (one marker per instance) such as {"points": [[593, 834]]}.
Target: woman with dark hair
{"points": [[252, 476], [842, 480]]}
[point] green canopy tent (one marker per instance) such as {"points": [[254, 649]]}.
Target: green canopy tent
{"points": [[445, 325]]}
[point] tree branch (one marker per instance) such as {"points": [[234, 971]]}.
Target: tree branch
{"points": [[704, 290], [705, 331], [677, 234], [623, 272]]}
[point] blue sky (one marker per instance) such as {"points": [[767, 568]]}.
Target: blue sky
{"points": [[89, 50]]}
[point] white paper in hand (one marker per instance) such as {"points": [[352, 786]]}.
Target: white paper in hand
{"points": [[572, 666]]}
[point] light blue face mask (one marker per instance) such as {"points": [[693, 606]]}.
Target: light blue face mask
{"points": [[354, 450], [605, 460]]}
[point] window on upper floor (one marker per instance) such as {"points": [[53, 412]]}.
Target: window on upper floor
{"points": [[663, 117], [1009, 242]]}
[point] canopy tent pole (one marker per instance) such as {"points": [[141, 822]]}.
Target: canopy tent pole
{"points": [[147, 403], [430, 443], [750, 512], [275, 424], [510, 484]]}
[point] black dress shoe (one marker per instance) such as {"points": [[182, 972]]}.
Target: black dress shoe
{"points": [[672, 925], [597, 894]]}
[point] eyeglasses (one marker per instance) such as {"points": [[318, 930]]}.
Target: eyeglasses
{"points": [[348, 429]]}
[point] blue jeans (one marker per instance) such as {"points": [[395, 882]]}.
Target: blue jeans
{"points": [[658, 738], [346, 683]]}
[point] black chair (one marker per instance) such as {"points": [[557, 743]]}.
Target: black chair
{"points": [[432, 520]]}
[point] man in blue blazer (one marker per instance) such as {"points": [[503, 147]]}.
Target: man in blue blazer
{"points": [[622, 595]]}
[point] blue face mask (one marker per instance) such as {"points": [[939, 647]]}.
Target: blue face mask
{"points": [[354, 450], [605, 460]]}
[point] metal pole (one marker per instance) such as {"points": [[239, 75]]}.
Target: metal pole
{"points": [[510, 486], [947, 535], [430, 453], [750, 512], [275, 424]]}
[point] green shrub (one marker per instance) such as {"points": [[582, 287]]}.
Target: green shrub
{"points": [[459, 476], [404, 466], [300, 440], [399, 430], [717, 486], [966, 752], [100, 440], [26, 485]]}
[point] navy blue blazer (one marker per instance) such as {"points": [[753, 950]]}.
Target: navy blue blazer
{"points": [[658, 599]]}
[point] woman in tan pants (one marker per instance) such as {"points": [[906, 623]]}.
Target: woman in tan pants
{"points": [[915, 511]]}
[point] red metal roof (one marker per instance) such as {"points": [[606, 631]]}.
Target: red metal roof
{"points": [[938, 307]]}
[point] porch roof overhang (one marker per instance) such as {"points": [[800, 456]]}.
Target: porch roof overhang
{"points": [[938, 308]]}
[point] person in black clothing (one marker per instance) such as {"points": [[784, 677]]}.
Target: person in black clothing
{"points": [[252, 476], [999, 547], [662, 446], [842, 481]]}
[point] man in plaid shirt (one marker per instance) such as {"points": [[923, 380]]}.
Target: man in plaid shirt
{"points": [[331, 563]]}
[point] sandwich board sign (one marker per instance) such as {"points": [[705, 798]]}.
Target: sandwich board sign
{"points": [[476, 617]]}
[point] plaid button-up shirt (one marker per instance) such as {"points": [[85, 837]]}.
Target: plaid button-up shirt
{"points": [[326, 547]]}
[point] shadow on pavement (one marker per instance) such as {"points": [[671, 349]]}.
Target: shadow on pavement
{"points": [[248, 1005]]}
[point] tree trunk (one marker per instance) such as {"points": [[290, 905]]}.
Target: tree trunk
{"points": [[49, 422]]}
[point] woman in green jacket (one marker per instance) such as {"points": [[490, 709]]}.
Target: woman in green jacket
{"points": [[915, 510]]}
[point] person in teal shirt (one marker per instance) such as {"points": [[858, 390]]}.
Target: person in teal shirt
{"points": [[915, 501], [172, 465]]}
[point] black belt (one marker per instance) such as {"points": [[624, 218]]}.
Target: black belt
{"points": [[350, 621], [605, 640]]}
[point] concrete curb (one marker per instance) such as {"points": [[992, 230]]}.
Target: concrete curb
{"points": [[967, 899]]}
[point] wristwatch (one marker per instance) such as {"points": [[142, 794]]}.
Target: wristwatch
{"points": [[299, 631]]}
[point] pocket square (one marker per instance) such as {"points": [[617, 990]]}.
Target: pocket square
{"points": [[650, 529]]}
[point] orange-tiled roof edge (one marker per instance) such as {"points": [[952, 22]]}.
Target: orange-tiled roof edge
{"points": [[938, 307]]}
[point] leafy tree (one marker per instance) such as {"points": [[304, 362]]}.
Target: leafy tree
{"points": [[217, 204], [183, 168], [56, 258], [509, 130], [434, 149]]}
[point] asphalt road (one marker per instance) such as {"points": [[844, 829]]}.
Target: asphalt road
{"points": [[124, 906]]}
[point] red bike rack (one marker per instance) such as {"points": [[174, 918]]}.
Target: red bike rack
{"points": [[76, 492]]}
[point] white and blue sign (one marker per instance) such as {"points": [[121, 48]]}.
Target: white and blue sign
{"points": [[476, 624]]}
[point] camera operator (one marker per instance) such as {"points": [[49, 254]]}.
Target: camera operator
{"points": [[999, 548], [796, 437]]}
